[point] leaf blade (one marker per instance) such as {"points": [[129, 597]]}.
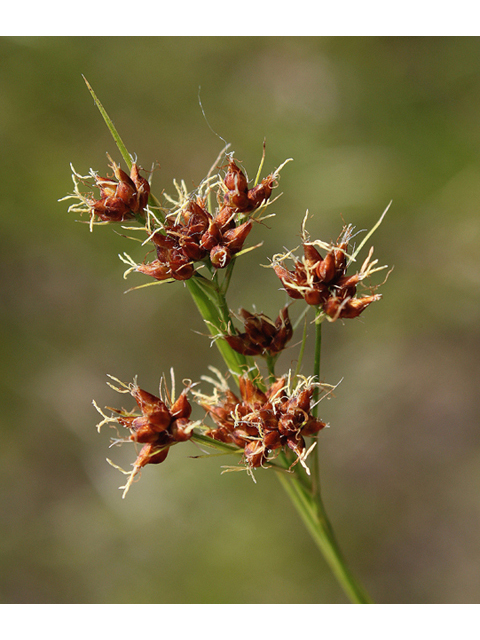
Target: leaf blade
{"points": [[108, 121]]}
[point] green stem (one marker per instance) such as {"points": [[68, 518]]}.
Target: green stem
{"points": [[303, 491], [310, 505], [317, 358], [224, 448], [316, 372], [213, 309], [314, 517], [302, 350], [270, 362]]}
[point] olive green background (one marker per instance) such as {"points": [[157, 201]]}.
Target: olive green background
{"points": [[367, 121]]}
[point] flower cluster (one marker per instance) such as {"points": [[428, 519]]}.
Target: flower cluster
{"points": [[160, 425], [189, 232], [262, 336], [323, 281], [265, 419], [193, 234], [238, 197], [263, 423], [272, 420], [122, 197]]}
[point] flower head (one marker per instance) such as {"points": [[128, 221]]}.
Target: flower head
{"points": [[262, 336], [263, 422], [160, 424], [238, 197], [322, 281], [122, 196]]}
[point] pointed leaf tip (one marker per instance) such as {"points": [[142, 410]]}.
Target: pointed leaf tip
{"points": [[108, 121]]}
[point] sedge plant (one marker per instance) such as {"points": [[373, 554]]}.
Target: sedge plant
{"points": [[261, 417]]}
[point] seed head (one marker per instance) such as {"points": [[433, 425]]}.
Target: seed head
{"points": [[161, 424], [322, 281], [262, 336], [264, 422], [238, 197], [122, 196]]}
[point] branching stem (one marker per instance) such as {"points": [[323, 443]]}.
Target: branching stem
{"points": [[302, 489]]}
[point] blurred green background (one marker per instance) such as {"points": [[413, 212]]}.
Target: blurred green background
{"points": [[367, 120]]}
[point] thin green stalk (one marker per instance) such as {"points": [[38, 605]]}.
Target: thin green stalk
{"points": [[307, 500], [322, 534], [316, 372], [302, 349], [317, 358], [270, 361], [224, 448], [210, 304]]}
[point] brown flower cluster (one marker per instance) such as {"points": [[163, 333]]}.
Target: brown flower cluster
{"points": [[120, 198], [323, 281], [263, 423], [160, 425], [194, 234], [262, 336]]}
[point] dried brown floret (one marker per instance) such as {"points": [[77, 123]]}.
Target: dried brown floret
{"points": [[262, 336]]}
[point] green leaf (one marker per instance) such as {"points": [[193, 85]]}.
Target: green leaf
{"points": [[369, 234], [116, 136]]}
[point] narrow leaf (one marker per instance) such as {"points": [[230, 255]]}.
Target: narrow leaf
{"points": [[369, 235], [116, 136]]}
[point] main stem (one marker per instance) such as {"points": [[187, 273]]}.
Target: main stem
{"points": [[312, 512], [303, 490], [316, 372]]}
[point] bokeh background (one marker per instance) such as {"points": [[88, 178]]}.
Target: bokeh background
{"points": [[367, 121]]}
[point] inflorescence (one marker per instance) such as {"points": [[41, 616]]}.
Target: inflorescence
{"points": [[208, 230]]}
